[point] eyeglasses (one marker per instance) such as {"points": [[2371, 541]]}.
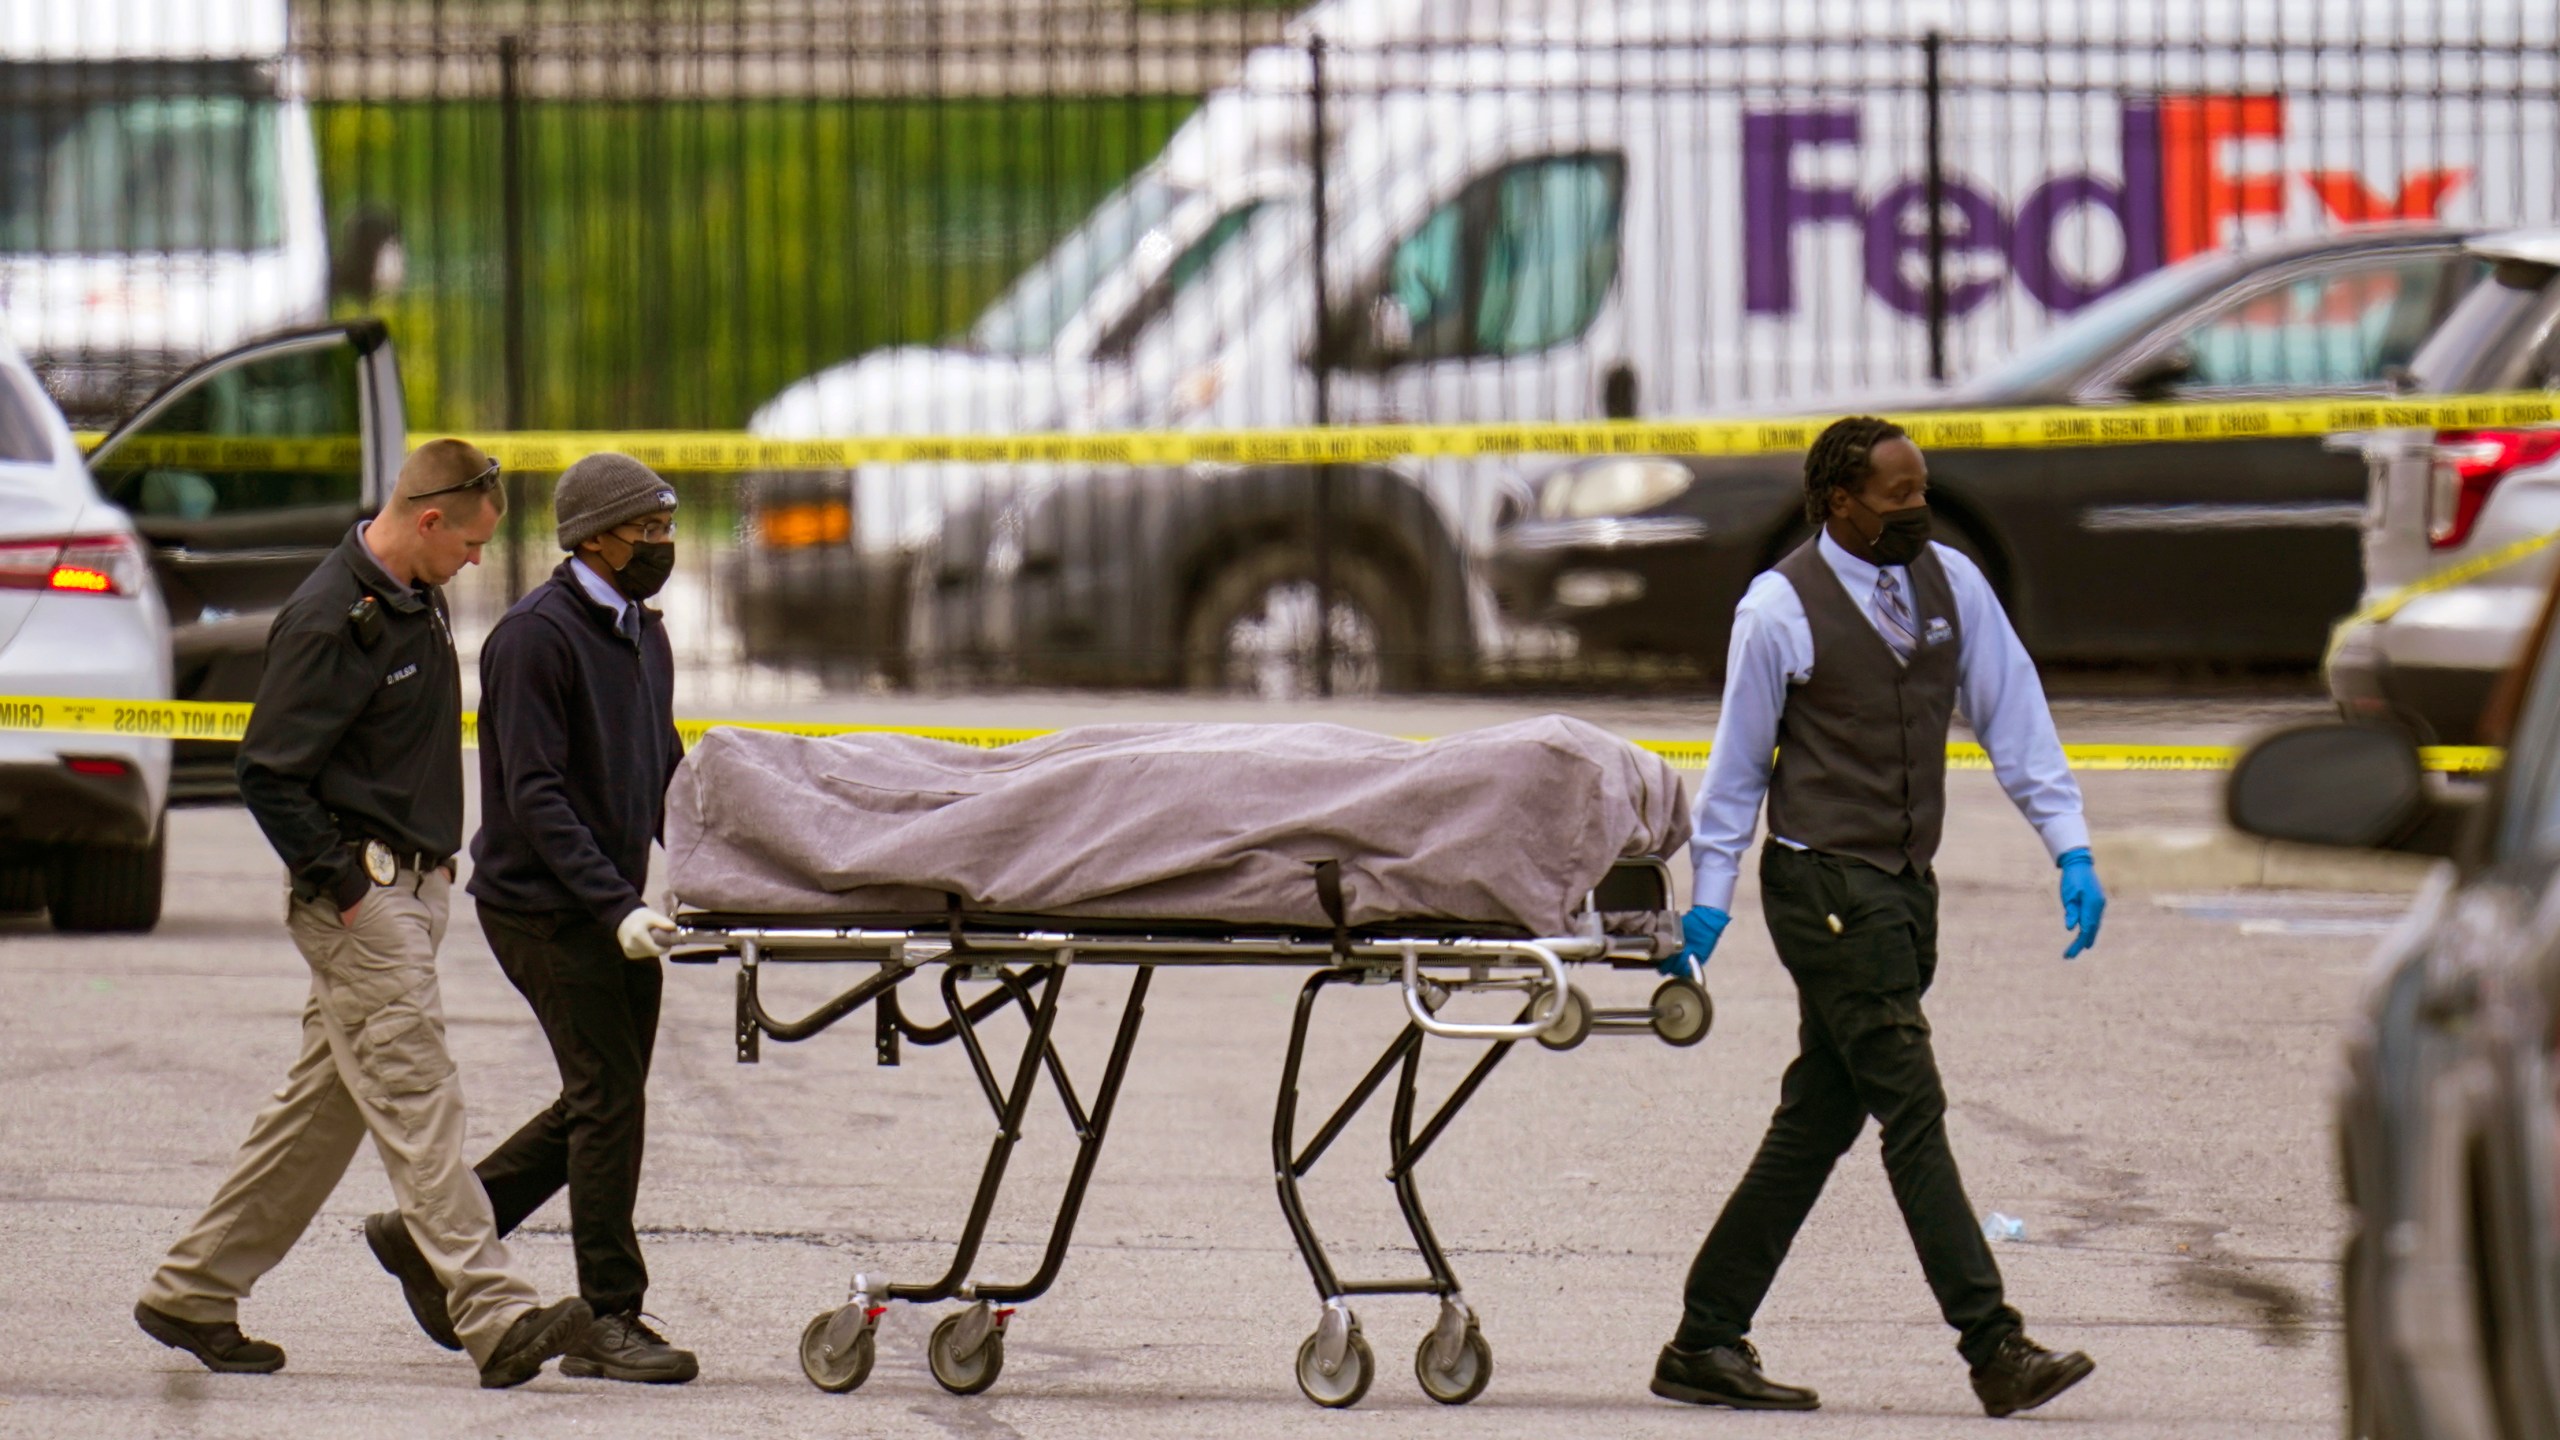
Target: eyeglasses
{"points": [[485, 480], [656, 533]]}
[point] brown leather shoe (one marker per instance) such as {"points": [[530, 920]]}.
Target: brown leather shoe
{"points": [[222, 1348], [2023, 1375], [1726, 1375]]}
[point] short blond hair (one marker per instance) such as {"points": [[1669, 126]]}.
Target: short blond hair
{"points": [[440, 465]]}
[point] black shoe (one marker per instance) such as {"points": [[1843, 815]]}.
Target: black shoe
{"points": [[623, 1347], [392, 1244], [2023, 1375], [222, 1348], [536, 1336], [1726, 1375]]}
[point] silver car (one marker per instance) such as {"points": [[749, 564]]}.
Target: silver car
{"points": [[2439, 499], [2448, 1113]]}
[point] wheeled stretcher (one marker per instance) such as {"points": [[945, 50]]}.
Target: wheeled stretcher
{"points": [[977, 965]]}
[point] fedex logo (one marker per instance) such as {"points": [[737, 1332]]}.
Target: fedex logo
{"points": [[2185, 180]]}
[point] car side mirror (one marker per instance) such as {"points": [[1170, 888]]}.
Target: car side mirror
{"points": [[2352, 786], [2159, 377], [371, 263], [1370, 339], [1390, 332]]}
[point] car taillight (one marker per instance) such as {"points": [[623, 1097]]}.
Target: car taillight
{"points": [[78, 565], [99, 767], [2468, 464]]}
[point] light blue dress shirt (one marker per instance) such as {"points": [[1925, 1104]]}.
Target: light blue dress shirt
{"points": [[604, 592], [1772, 648]]}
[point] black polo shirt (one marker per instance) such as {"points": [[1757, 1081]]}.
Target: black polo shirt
{"points": [[356, 737]]}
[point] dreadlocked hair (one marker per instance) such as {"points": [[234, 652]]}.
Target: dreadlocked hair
{"points": [[1840, 458]]}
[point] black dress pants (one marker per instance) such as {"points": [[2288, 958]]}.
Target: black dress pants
{"points": [[1863, 1051], [599, 1009]]}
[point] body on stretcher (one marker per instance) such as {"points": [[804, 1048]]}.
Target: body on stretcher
{"points": [[1023, 960]]}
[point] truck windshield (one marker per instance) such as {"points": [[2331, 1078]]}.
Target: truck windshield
{"points": [[137, 157], [1026, 318]]}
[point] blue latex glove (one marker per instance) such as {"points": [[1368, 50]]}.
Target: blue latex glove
{"points": [[2084, 900], [1699, 931]]}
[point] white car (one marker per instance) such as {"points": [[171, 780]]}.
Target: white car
{"points": [[81, 816], [153, 569], [2438, 499]]}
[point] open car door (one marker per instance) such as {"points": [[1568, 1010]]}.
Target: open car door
{"points": [[241, 474]]}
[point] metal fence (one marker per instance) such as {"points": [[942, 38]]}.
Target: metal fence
{"points": [[834, 217]]}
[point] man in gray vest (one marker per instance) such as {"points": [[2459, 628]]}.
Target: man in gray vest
{"points": [[1847, 660]]}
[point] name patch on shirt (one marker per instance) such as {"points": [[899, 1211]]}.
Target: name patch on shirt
{"points": [[403, 673], [1937, 631]]}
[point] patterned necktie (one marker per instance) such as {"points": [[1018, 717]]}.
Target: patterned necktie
{"points": [[1896, 617]]}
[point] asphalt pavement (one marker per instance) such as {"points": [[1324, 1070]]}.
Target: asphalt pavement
{"points": [[2154, 1113]]}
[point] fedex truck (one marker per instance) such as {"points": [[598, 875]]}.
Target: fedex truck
{"points": [[159, 191], [1614, 210]]}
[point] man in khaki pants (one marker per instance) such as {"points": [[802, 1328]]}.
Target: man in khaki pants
{"points": [[352, 765]]}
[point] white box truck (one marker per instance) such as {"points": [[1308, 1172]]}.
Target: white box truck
{"points": [[1629, 209], [159, 191]]}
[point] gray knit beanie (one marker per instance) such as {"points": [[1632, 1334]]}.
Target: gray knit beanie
{"points": [[604, 490]]}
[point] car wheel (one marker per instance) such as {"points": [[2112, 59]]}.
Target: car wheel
{"points": [[108, 888], [1253, 629], [21, 889]]}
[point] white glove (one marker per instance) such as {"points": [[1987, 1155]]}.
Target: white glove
{"points": [[645, 934]]}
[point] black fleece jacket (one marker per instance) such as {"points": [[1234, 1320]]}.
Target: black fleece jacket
{"points": [[577, 744], [357, 734]]}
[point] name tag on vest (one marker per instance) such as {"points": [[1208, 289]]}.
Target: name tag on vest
{"points": [[1937, 631]]}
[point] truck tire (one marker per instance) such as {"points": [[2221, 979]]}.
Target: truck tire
{"points": [[101, 889], [21, 889], [1252, 628]]}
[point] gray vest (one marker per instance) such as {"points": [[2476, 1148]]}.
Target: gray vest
{"points": [[1862, 746]]}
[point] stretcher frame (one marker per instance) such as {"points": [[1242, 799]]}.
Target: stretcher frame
{"points": [[1026, 959]]}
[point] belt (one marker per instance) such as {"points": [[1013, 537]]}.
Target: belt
{"points": [[418, 860]]}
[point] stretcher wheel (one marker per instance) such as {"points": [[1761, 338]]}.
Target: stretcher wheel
{"points": [[1682, 1013], [1462, 1381], [1349, 1381], [1572, 1024], [840, 1364], [963, 1374]]}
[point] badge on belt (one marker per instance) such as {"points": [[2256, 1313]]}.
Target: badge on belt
{"points": [[378, 864]]}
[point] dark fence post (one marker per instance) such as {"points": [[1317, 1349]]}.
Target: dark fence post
{"points": [[1934, 95], [1323, 363], [511, 288]]}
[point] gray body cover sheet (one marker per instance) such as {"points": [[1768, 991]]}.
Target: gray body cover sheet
{"points": [[1510, 825]]}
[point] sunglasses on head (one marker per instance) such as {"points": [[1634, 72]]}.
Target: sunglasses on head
{"points": [[482, 481]]}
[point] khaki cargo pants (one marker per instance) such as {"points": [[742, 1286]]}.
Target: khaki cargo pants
{"points": [[373, 1061]]}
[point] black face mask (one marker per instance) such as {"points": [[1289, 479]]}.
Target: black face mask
{"points": [[1901, 536], [646, 572]]}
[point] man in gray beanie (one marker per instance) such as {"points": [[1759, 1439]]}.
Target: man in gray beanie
{"points": [[577, 743]]}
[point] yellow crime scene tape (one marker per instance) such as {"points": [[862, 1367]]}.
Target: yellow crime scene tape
{"points": [[715, 452], [719, 452], [227, 720], [2447, 578]]}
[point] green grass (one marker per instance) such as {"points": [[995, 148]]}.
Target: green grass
{"points": [[685, 260]]}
